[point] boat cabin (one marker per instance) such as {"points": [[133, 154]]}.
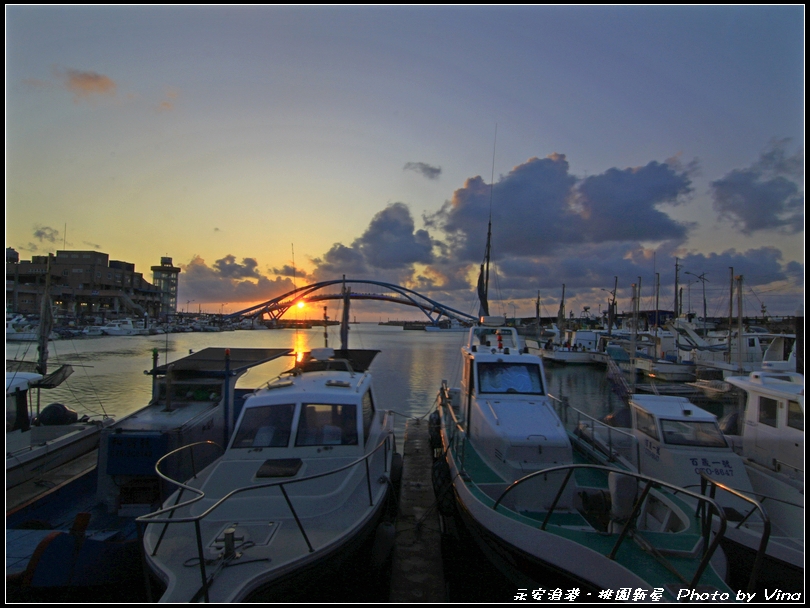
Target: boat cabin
{"points": [[504, 405], [324, 405], [677, 441], [772, 429], [194, 399]]}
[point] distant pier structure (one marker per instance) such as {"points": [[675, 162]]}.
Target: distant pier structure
{"points": [[166, 278]]}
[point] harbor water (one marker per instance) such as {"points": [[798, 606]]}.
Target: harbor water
{"points": [[109, 378]]}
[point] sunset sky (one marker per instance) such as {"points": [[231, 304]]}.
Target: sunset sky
{"points": [[243, 141]]}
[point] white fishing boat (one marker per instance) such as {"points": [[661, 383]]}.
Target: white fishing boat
{"points": [[506, 466], [303, 481], [123, 327], [575, 347], [770, 439], [452, 326], [672, 439], [39, 443]]}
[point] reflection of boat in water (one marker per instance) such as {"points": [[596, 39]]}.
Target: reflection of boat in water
{"points": [[304, 479], [506, 467], [671, 439]]}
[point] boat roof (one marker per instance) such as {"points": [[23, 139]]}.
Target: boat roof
{"points": [[359, 359], [20, 380], [488, 332], [670, 406], [784, 382], [212, 361]]}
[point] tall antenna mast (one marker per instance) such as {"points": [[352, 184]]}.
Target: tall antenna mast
{"points": [[483, 275]]}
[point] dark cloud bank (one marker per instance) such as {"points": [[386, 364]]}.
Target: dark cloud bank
{"points": [[550, 228]]}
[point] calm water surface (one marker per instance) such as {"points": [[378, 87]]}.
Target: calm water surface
{"points": [[109, 371]]}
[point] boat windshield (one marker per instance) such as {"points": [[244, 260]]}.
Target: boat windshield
{"points": [[501, 377], [268, 426], [704, 434], [327, 424]]}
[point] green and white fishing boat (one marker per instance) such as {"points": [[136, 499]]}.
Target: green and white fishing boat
{"points": [[505, 465]]}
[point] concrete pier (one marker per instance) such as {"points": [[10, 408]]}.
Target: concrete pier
{"points": [[417, 574]]}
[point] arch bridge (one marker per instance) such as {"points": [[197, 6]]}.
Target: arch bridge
{"points": [[386, 292]]}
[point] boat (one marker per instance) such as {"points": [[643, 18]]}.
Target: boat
{"points": [[124, 327], [50, 438], [39, 439], [670, 438], [82, 532], [506, 466], [770, 438], [753, 352], [576, 347], [452, 326], [302, 482]]}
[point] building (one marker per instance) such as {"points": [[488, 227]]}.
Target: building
{"points": [[81, 284], [165, 278]]}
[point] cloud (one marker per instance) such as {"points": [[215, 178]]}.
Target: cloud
{"points": [[764, 196], [289, 271], [424, 169], [228, 281], [46, 233], [84, 85], [93, 246], [539, 208], [389, 247], [622, 204], [229, 268], [167, 104]]}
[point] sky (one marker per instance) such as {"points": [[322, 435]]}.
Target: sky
{"points": [[267, 148]]}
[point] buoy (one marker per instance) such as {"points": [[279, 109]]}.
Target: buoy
{"points": [[383, 544], [443, 487], [434, 430], [396, 468]]}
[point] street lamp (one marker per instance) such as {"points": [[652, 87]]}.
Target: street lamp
{"points": [[514, 313], [702, 278], [189, 302]]}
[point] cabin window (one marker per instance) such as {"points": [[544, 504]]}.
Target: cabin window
{"points": [[704, 434], [767, 411], [268, 426], [795, 416], [368, 414], [646, 424], [499, 377], [327, 424], [188, 392]]}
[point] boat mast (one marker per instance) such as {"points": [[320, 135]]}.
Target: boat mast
{"points": [[45, 322], [483, 275], [730, 308]]}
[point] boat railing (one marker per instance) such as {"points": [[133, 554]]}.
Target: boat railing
{"points": [[456, 435], [614, 443], [707, 508], [166, 515], [712, 485]]}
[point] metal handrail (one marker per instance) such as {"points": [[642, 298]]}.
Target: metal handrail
{"points": [[709, 549], [563, 408], [155, 518], [705, 481]]}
